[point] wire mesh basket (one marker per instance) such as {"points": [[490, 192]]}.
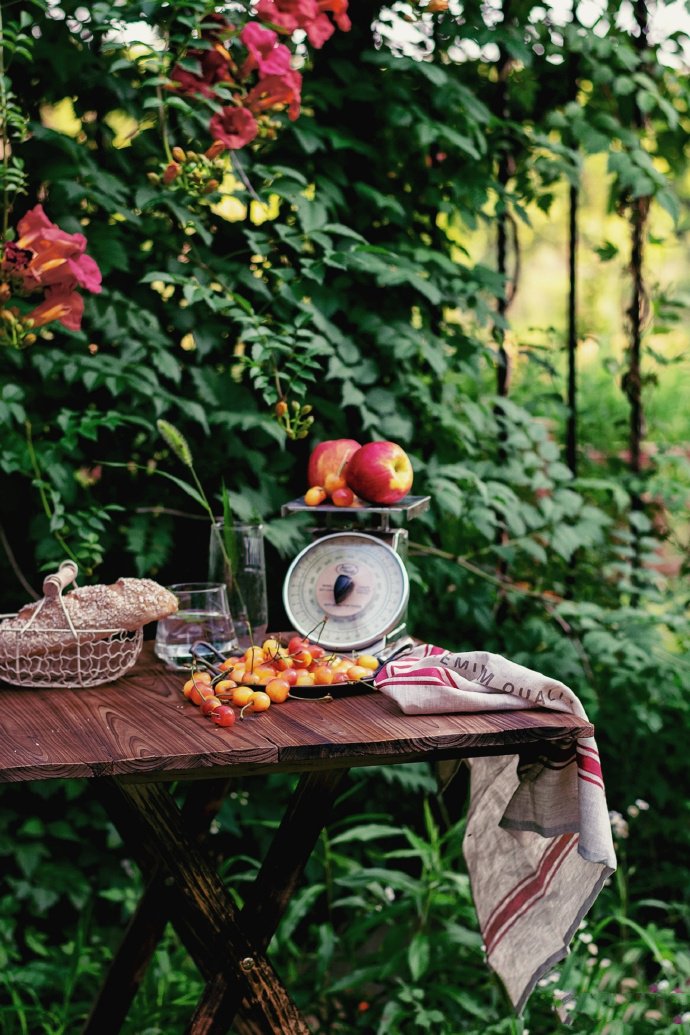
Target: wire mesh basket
{"points": [[48, 650]]}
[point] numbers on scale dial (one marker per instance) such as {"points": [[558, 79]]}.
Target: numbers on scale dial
{"points": [[355, 581]]}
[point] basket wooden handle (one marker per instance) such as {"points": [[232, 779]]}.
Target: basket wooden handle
{"points": [[54, 584]]}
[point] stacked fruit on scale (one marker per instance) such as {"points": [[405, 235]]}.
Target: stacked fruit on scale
{"points": [[346, 473], [270, 674]]}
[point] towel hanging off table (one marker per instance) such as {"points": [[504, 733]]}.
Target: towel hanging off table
{"points": [[538, 842]]}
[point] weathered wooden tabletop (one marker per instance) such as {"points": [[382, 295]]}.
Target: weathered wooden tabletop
{"points": [[140, 727]]}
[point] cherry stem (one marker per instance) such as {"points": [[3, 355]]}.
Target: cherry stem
{"points": [[327, 697], [320, 626]]}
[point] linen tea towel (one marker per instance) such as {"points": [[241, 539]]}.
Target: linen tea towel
{"points": [[538, 841]]}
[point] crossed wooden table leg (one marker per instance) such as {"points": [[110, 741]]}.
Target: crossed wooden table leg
{"points": [[184, 888]]}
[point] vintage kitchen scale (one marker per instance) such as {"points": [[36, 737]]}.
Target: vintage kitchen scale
{"points": [[349, 588]]}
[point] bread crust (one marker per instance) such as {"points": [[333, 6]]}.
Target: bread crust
{"points": [[94, 611]]}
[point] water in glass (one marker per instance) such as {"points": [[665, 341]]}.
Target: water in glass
{"points": [[203, 614]]}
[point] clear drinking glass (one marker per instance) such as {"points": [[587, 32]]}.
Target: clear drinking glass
{"points": [[247, 582], [203, 614]]}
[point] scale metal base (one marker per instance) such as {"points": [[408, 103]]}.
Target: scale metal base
{"points": [[395, 643]]}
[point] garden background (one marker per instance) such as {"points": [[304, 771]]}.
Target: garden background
{"points": [[468, 235]]}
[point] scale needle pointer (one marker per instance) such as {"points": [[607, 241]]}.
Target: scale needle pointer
{"points": [[342, 587]]}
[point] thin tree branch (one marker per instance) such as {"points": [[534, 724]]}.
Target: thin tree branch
{"points": [[5, 543], [169, 511], [497, 580], [547, 598]]}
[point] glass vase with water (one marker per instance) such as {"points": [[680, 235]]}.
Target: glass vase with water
{"points": [[245, 578]]}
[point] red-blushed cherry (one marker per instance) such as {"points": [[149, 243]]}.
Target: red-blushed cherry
{"points": [[297, 643], [223, 716], [343, 497], [323, 675], [210, 705], [334, 481], [196, 681], [260, 702], [223, 686], [242, 695], [200, 693], [315, 495], [278, 690], [302, 659]]}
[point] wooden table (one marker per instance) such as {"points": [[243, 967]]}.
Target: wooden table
{"points": [[138, 734]]}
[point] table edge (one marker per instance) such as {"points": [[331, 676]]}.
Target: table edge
{"points": [[324, 756]]}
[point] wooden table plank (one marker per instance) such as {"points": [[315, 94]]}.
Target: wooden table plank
{"points": [[142, 728], [372, 725], [140, 723]]}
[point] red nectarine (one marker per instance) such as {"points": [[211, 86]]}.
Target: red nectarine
{"points": [[380, 472], [330, 458]]}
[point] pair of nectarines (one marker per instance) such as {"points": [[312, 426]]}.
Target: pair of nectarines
{"points": [[378, 472]]}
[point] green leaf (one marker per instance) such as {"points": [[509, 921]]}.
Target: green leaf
{"points": [[343, 231], [29, 856], [565, 541], [32, 827], [418, 956], [166, 364], [385, 204], [313, 215], [385, 877], [670, 202], [351, 395], [366, 832], [458, 140], [309, 141], [607, 251], [288, 535]]}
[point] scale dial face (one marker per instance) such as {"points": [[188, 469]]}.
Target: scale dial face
{"points": [[354, 581]]}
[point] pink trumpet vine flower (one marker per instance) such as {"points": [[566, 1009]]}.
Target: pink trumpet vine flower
{"points": [[45, 256]]}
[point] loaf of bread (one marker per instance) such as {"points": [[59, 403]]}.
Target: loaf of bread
{"points": [[94, 611]]}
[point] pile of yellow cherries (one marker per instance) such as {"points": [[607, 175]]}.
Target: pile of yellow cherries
{"points": [[271, 674]]}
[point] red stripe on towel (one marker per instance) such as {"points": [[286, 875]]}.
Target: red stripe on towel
{"points": [[527, 892]]}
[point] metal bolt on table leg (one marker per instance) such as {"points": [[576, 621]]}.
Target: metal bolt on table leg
{"points": [[247, 964]]}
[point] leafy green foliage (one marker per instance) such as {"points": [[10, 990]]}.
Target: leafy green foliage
{"points": [[393, 897], [327, 288]]}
